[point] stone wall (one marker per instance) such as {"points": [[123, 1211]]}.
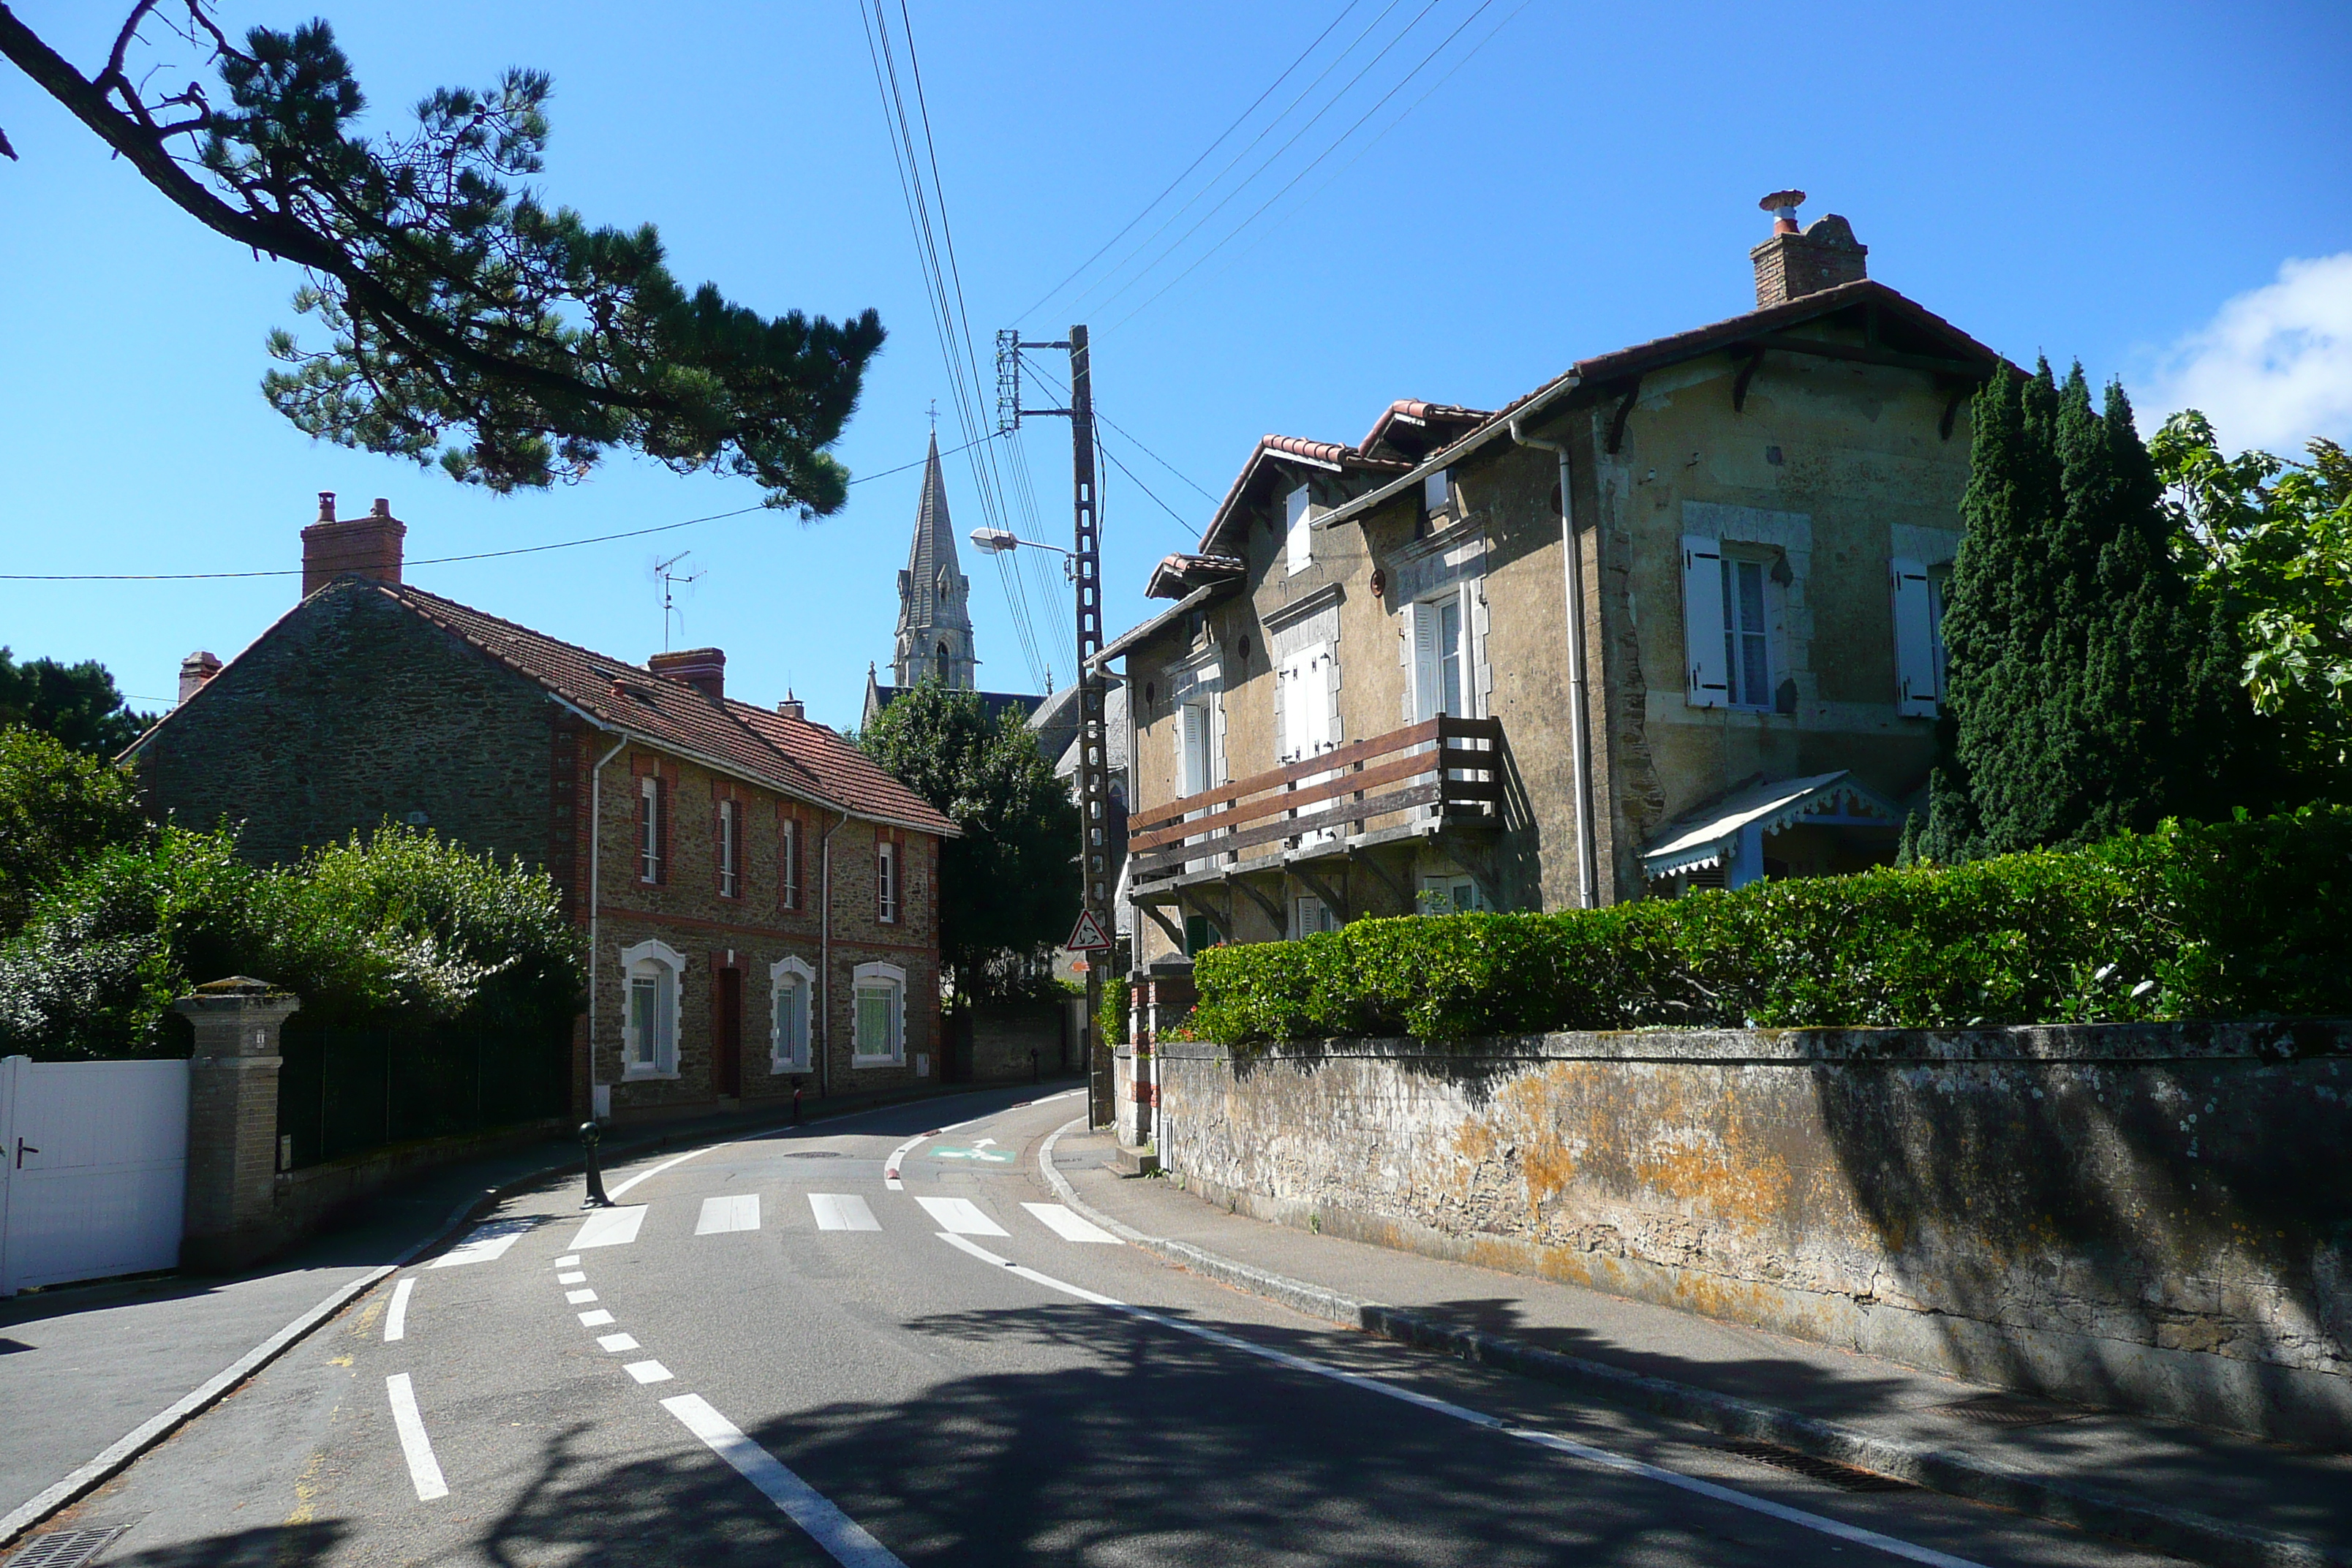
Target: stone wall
{"points": [[2150, 1218]]}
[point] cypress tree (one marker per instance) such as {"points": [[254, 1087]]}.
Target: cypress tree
{"points": [[2089, 693]]}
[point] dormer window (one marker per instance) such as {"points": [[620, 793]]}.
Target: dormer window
{"points": [[1437, 490], [1298, 531]]}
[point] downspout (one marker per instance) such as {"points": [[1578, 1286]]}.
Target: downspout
{"points": [[824, 960], [1588, 884], [596, 887]]}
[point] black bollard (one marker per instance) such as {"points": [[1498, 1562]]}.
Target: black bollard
{"points": [[589, 1137], [796, 1102], [1032, 1064]]}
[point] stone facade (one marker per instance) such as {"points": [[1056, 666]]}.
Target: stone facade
{"points": [[2143, 1217]]}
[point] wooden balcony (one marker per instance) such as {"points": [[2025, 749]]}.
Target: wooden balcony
{"points": [[1418, 779]]}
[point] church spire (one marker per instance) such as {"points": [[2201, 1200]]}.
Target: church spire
{"points": [[934, 639]]}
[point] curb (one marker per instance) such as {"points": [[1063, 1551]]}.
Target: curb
{"points": [[155, 1428], [2196, 1536]]}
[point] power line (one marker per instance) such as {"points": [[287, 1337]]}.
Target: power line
{"points": [[1335, 145], [432, 560], [1203, 157], [1133, 440]]}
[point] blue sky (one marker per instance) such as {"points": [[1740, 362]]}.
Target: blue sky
{"points": [[2159, 190]]}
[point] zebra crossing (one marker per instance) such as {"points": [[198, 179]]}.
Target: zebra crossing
{"points": [[844, 1212]]}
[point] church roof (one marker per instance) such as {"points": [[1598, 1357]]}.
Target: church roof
{"points": [[933, 551]]}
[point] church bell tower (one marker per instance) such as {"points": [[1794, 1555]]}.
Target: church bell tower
{"points": [[934, 639]]}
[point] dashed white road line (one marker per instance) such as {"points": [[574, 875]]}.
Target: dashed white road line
{"points": [[1835, 1528], [1069, 1227], [961, 1215], [578, 1298], [843, 1538], [415, 1446], [612, 1344], [842, 1211], [572, 1277], [610, 1227], [569, 1260], [483, 1243], [395, 1316], [595, 1320], [740, 1212], [647, 1371]]}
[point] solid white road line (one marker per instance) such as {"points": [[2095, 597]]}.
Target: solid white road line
{"points": [[961, 1215], [739, 1213], [622, 1191], [1069, 1227], [841, 1536], [595, 1320], [395, 1321], [1836, 1528], [842, 1211], [415, 1446], [647, 1371], [578, 1298], [610, 1227], [615, 1344], [483, 1243]]}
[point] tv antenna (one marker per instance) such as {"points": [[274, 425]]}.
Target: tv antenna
{"points": [[670, 579]]}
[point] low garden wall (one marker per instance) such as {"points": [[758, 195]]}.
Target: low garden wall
{"points": [[2153, 1216]]}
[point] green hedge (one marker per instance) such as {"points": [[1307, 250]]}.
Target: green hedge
{"points": [[2244, 919]]}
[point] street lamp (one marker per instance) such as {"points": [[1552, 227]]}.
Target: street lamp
{"points": [[1003, 541]]}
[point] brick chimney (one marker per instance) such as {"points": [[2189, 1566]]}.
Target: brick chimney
{"points": [[1793, 263], [195, 670], [368, 546], [793, 707], [704, 669]]}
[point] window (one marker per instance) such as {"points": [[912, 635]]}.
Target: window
{"points": [[1310, 915], [788, 860], [1298, 531], [1450, 896], [651, 811], [649, 1046], [791, 982], [1919, 638], [879, 994], [886, 882], [1438, 664], [1193, 739], [1745, 653], [1201, 933], [731, 849], [1437, 490]]}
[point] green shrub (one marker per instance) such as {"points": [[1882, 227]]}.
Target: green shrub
{"points": [[2243, 919], [1110, 1017]]}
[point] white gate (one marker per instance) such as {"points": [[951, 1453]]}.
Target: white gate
{"points": [[95, 1169]]}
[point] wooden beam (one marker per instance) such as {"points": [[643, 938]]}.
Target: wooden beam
{"points": [[1160, 918], [1273, 907], [1822, 348], [1624, 412], [1952, 408], [1740, 382], [1322, 889], [1403, 890]]}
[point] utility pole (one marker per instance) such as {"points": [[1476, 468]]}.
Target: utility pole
{"points": [[1094, 756]]}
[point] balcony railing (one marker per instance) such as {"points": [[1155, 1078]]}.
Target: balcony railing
{"points": [[1438, 767]]}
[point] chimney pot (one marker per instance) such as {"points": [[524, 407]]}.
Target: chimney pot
{"points": [[382, 508], [793, 707], [704, 669], [366, 546], [195, 670]]}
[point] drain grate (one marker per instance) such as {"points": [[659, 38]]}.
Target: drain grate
{"points": [[814, 1155], [2007, 1410], [66, 1548], [1844, 1476]]}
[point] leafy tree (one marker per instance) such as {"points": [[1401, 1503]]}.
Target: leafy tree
{"points": [[2270, 541], [75, 702], [467, 322], [2089, 688], [1009, 886], [58, 810]]}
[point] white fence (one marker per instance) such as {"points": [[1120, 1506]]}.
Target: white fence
{"points": [[95, 1174]]}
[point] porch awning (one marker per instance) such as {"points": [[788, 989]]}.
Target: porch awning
{"points": [[1709, 836]]}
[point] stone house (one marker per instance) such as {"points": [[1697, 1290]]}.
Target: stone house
{"points": [[759, 901], [1669, 620]]}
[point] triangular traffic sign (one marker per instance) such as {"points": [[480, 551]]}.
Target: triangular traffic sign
{"points": [[1088, 935]]}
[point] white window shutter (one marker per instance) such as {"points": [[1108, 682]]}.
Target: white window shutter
{"points": [[1425, 662], [1706, 677], [1299, 536], [1287, 733], [1915, 640]]}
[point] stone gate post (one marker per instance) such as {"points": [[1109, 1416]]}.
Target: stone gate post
{"points": [[232, 1121]]}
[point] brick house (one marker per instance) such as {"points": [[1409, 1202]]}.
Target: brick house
{"points": [[1670, 620], [758, 899]]}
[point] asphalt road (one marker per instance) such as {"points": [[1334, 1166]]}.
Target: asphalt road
{"points": [[880, 1344]]}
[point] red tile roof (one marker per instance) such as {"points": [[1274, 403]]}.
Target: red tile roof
{"points": [[792, 756], [1323, 454]]}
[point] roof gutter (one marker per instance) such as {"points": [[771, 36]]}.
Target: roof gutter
{"points": [[1446, 457]]}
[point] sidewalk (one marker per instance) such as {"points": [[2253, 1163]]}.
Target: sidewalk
{"points": [[82, 1366], [2200, 1494]]}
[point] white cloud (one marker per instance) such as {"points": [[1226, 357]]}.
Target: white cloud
{"points": [[2274, 367]]}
